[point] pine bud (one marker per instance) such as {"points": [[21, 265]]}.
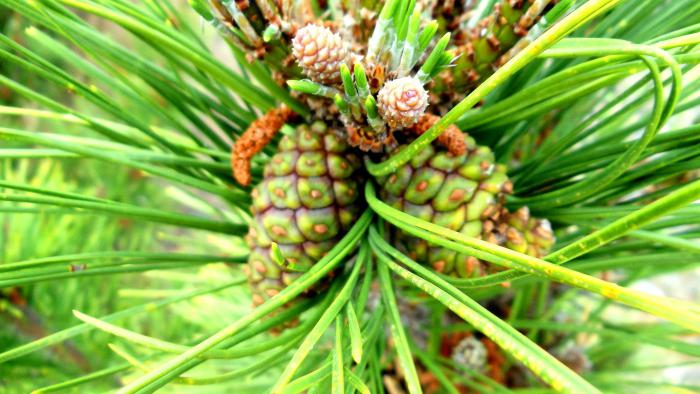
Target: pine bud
{"points": [[402, 102], [319, 53]]}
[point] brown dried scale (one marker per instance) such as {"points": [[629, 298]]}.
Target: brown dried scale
{"points": [[254, 139], [451, 138]]}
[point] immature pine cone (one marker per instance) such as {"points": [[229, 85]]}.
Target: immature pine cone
{"points": [[457, 192], [402, 102], [306, 202], [319, 53], [463, 193]]}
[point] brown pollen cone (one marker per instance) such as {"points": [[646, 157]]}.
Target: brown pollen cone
{"points": [[254, 139], [452, 138]]}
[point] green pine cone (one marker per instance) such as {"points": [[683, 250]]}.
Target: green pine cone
{"points": [[462, 193], [308, 199], [457, 192]]}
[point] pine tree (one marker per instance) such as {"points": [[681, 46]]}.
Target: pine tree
{"points": [[144, 144]]}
